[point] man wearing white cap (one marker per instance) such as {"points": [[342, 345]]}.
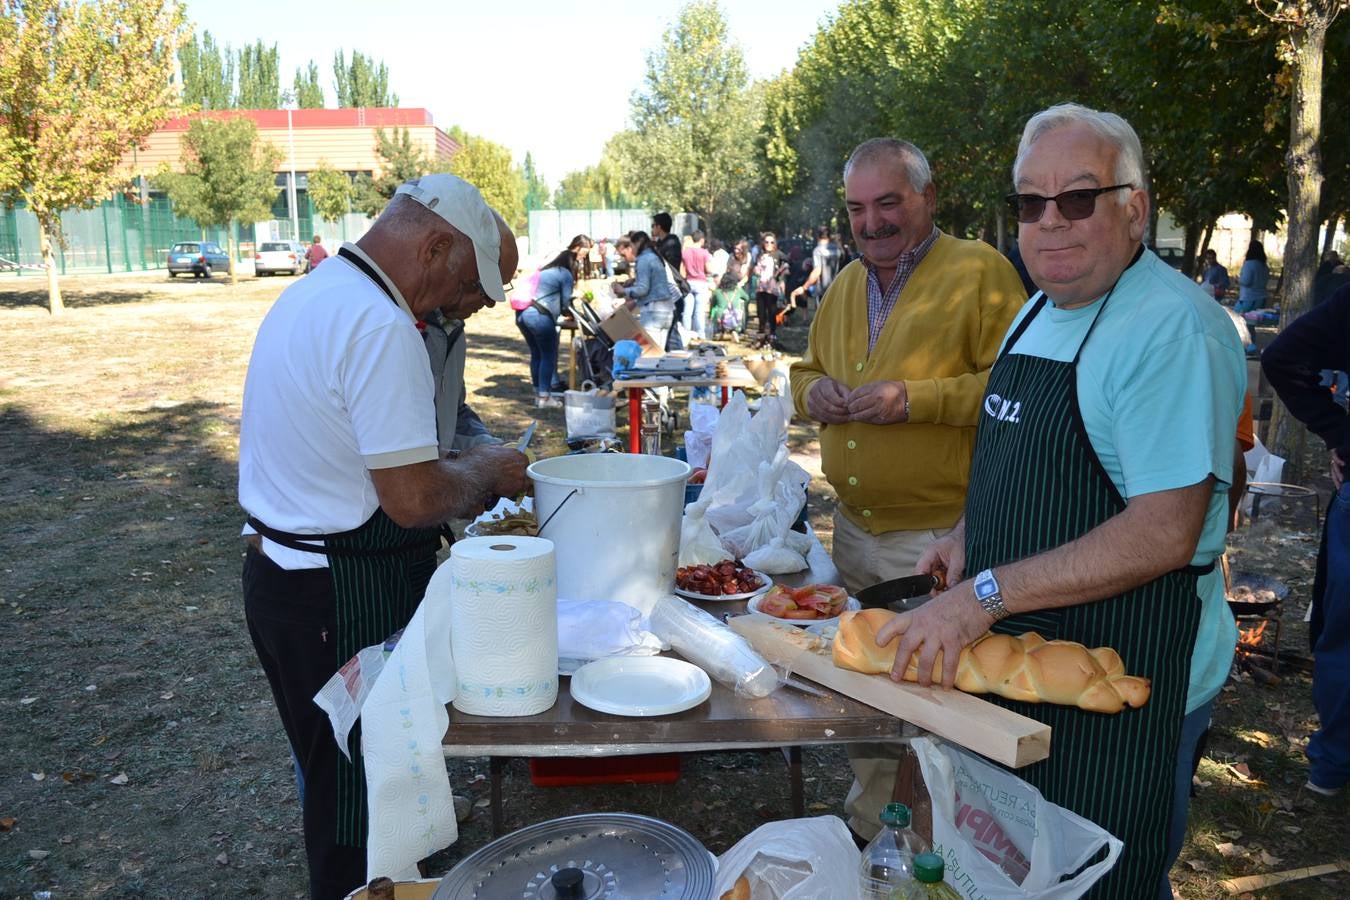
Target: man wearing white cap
{"points": [[342, 480]]}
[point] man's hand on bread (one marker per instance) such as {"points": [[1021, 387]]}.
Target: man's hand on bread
{"points": [[948, 624]]}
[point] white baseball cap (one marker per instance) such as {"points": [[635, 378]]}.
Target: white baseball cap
{"points": [[460, 204]]}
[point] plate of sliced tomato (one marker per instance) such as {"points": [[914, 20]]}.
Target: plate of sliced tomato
{"points": [[812, 604]]}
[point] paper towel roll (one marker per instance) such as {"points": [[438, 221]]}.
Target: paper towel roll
{"points": [[504, 625]]}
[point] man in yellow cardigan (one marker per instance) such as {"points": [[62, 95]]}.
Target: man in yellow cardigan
{"points": [[894, 371]]}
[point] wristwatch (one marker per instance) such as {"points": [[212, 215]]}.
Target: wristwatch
{"points": [[990, 596]]}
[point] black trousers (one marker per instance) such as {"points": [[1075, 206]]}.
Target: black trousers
{"points": [[292, 620], [767, 307]]}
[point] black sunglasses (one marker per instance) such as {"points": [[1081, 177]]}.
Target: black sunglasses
{"points": [[1073, 205]]}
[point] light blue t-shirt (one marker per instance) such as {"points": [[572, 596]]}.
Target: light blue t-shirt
{"points": [[1160, 386]]}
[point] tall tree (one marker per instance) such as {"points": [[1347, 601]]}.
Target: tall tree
{"points": [[307, 91], [207, 70], [536, 190], [362, 82], [330, 192], [81, 83], [227, 176], [691, 116], [259, 77], [487, 166], [401, 161], [1305, 24]]}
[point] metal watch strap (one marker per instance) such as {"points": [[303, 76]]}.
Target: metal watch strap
{"points": [[992, 603]]}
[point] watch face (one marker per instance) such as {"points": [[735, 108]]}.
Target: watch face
{"points": [[985, 586]]}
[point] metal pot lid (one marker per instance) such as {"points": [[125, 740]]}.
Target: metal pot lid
{"points": [[617, 855]]}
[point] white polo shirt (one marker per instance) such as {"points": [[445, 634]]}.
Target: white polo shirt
{"points": [[338, 384]]}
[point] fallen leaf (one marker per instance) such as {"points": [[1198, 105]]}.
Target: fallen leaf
{"points": [[1230, 851], [1231, 835], [1199, 865], [39, 854], [818, 807], [26, 701], [1268, 860], [223, 860], [1241, 771], [8, 823], [482, 804], [1292, 829], [120, 778], [66, 839], [39, 776], [167, 695]]}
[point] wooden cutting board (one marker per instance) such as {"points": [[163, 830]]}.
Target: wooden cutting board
{"points": [[961, 718]]}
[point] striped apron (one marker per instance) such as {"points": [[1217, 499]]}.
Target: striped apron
{"points": [[1036, 483]]}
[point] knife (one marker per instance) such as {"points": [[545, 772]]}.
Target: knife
{"points": [[525, 438], [798, 684], [899, 594]]}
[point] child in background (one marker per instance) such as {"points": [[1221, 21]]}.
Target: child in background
{"points": [[728, 306]]}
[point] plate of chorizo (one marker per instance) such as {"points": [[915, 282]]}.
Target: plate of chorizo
{"points": [[723, 580]]}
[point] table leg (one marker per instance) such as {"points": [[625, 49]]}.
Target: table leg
{"points": [[793, 756], [634, 420], [726, 395], [572, 365], [497, 765]]}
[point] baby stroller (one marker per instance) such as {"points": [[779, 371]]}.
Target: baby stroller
{"points": [[595, 355]]}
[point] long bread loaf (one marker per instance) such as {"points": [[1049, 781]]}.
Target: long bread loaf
{"points": [[1026, 667]]}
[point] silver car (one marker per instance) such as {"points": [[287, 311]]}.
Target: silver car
{"points": [[279, 256]]}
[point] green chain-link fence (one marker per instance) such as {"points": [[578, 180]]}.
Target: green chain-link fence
{"points": [[119, 235]]}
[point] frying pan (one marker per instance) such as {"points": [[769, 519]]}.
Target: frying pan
{"points": [[899, 594]]}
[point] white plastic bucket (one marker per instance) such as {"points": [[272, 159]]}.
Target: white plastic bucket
{"points": [[615, 524]]}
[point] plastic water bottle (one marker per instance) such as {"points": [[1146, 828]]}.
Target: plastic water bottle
{"points": [[888, 861]]}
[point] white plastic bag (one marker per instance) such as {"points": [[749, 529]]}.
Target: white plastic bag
{"points": [[588, 414], [796, 859], [1262, 467], [982, 813]]}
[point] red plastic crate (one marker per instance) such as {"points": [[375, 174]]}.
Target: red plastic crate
{"points": [[567, 771]]}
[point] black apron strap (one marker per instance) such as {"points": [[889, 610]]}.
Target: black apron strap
{"points": [[368, 270], [332, 544]]}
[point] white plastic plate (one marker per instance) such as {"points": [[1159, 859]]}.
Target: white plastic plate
{"points": [[753, 606], [640, 685]]}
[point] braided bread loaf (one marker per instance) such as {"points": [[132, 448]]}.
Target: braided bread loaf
{"points": [[1027, 668]]}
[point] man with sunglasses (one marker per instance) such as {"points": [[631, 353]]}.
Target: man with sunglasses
{"points": [[1097, 501], [342, 478], [894, 371]]}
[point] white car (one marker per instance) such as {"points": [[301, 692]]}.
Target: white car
{"points": [[279, 256]]}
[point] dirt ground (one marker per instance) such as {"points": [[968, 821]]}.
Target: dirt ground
{"points": [[142, 755]]}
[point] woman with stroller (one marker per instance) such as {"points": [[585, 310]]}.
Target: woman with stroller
{"points": [[538, 322]]}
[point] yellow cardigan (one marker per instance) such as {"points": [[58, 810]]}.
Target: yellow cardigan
{"points": [[941, 339]]}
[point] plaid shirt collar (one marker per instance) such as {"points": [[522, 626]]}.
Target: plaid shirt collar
{"points": [[880, 302]]}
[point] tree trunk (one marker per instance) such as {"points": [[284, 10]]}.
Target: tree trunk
{"points": [[232, 250], [1206, 237], [1001, 227], [1190, 250], [1304, 165], [1304, 162], [47, 242]]}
